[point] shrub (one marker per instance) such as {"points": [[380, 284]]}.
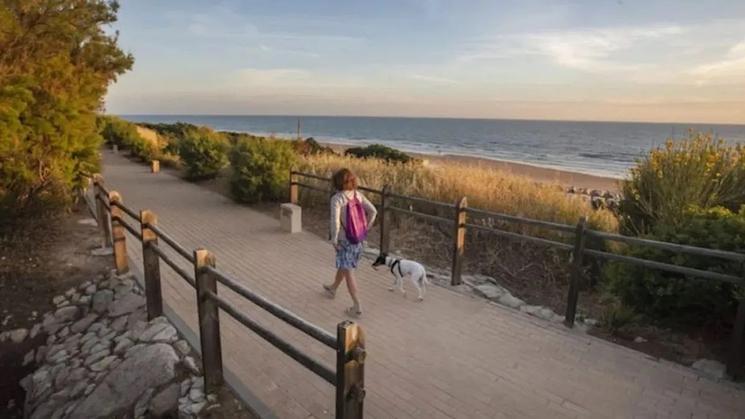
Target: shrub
{"points": [[378, 151], [311, 147], [124, 134], [56, 63], [203, 152], [261, 169], [698, 171], [674, 297]]}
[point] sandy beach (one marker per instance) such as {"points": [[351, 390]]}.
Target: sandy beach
{"points": [[537, 173]]}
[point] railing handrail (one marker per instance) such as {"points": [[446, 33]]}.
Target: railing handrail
{"points": [[275, 309], [564, 228]]}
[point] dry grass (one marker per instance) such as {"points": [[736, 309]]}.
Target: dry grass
{"points": [[485, 188]]}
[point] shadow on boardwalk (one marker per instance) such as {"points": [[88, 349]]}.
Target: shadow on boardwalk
{"points": [[451, 356]]}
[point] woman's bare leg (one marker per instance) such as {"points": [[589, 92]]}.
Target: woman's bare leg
{"points": [[331, 289], [352, 287]]}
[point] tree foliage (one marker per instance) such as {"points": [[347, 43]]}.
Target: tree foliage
{"points": [[56, 63], [261, 169], [203, 152]]}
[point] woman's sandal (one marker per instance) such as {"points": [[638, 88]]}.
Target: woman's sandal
{"points": [[331, 293], [353, 312]]}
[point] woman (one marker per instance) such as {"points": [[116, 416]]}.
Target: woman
{"points": [[347, 254]]}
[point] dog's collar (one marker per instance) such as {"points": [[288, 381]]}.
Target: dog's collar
{"points": [[395, 263]]}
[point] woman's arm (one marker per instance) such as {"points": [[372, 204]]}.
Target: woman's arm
{"points": [[335, 221]]}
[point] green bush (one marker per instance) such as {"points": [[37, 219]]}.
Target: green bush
{"points": [[674, 297], [124, 134], [56, 63], [378, 151], [261, 169], [203, 152], [699, 171]]}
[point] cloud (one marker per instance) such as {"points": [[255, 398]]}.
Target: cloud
{"points": [[729, 69], [590, 50]]}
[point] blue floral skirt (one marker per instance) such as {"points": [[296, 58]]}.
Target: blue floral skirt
{"points": [[348, 255]]}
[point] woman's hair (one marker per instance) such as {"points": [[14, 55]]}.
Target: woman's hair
{"points": [[344, 180]]}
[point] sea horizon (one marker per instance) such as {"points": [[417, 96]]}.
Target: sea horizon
{"points": [[599, 148]]}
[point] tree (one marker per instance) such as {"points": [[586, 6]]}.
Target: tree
{"points": [[56, 63]]}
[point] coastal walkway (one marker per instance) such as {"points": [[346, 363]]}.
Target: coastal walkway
{"points": [[452, 356]]}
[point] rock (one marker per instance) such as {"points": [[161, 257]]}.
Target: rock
{"points": [[168, 334], [41, 353], [84, 300], [78, 389], [135, 319], [191, 365], [102, 251], [35, 330], [89, 389], [166, 401], [63, 333], [150, 367], [152, 331], [126, 305], [197, 382], [185, 385], [18, 335], [96, 327], [101, 300], [196, 408], [122, 346], [60, 377], [29, 358], [510, 300], [196, 395], [45, 410], [4, 336], [119, 324], [59, 356], [212, 398], [91, 289], [99, 347], [66, 314], [639, 339], [57, 300], [51, 324], [489, 291], [85, 285], [590, 322], [77, 374], [143, 402], [96, 357], [182, 347], [88, 222], [133, 350], [710, 367], [124, 287], [103, 364], [84, 323]]}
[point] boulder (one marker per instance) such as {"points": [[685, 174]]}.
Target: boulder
{"points": [[66, 314], [150, 367], [101, 300], [126, 305], [83, 323], [18, 335], [165, 403], [489, 291], [710, 367]]}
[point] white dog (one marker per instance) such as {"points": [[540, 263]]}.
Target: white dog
{"points": [[401, 268]]}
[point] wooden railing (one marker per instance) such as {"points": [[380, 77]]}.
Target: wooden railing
{"points": [[577, 250], [349, 342]]}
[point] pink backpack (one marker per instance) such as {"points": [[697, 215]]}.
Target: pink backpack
{"points": [[356, 222]]}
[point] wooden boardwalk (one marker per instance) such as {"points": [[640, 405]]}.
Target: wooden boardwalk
{"points": [[453, 356]]}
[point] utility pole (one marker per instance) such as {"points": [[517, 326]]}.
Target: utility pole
{"points": [[298, 128]]}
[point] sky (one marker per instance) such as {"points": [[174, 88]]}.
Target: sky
{"points": [[620, 60]]}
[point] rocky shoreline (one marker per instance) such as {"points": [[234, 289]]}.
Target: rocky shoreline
{"points": [[102, 358]]}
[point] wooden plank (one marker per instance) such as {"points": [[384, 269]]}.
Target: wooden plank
{"points": [[118, 235], [459, 241], [102, 214], [350, 371], [209, 321], [293, 189], [576, 272], [151, 265]]}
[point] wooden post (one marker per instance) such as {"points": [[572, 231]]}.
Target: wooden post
{"points": [[101, 213], [293, 189], [736, 362], [209, 321], [459, 241], [576, 272], [151, 265], [118, 234], [155, 166], [350, 371], [385, 223]]}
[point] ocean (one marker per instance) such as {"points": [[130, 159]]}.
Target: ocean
{"points": [[597, 148]]}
